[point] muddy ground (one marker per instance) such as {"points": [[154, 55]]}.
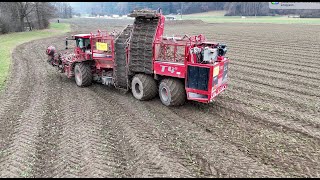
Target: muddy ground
{"points": [[266, 124]]}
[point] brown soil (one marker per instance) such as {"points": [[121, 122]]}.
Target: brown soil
{"points": [[266, 124]]}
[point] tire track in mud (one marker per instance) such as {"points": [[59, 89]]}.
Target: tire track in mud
{"points": [[281, 77], [22, 148], [283, 49], [161, 137], [305, 102], [227, 158], [174, 136], [133, 162], [286, 58], [82, 146], [47, 146], [260, 140], [292, 87], [268, 61], [306, 127], [291, 113], [277, 70], [14, 99], [143, 139], [279, 85], [88, 146], [282, 59], [277, 120], [52, 128], [278, 98]]}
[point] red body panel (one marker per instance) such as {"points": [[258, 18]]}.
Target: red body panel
{"points": [[217, 81], [102, 59], [177, 65], [169, 69]]}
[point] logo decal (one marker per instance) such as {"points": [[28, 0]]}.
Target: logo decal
{"points": [[169, 69]]}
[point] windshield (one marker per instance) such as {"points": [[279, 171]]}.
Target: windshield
{"points": [[81, 43]]}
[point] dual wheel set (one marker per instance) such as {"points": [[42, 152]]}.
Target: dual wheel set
{"points": [[143, 87]]}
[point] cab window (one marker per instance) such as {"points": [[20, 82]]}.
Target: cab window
{"points": [[81, 43]]}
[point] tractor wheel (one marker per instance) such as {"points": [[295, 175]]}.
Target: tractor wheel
{"points": [[172, 92], [143, 87], [83, 74]]}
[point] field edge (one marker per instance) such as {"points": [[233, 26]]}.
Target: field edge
{"points": [[12, 40]]}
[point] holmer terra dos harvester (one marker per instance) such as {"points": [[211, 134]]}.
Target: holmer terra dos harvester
{"points": [[144, 61]]}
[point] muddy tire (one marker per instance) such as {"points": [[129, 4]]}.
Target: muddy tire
{"points": [[172, 92], [83, 74], [143, 87]]}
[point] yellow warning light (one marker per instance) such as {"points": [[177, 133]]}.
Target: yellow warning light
{"points": [[215, 71]]}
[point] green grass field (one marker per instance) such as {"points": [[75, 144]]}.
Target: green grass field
{"points": [[218, 17], [11, 40]]}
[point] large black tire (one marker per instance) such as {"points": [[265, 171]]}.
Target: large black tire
{"points": [[143, 87], [172, 92], [83, 74]]}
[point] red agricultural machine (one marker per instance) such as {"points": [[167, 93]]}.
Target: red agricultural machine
{"points": [[140, 58]]}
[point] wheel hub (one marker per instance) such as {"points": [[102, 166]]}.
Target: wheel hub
{"points": [[78, 76], [164, 94], [137, 88]]}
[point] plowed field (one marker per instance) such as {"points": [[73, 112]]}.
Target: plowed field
{"points": [[266, 124]]}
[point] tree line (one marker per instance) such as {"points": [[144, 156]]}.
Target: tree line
{"points": [[231, 8], [63, 10], [22, 16], [262, 9], [123, 8]]}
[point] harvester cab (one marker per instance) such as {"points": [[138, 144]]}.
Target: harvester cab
{"points": [[144, 61], [82, 43]]}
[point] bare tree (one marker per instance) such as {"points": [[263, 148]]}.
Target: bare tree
{"points": [[63, 10], [14, 16], [24, 9], [247, 8]]}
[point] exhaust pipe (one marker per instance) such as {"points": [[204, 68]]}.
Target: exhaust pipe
{"points": [[66, 42]]}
